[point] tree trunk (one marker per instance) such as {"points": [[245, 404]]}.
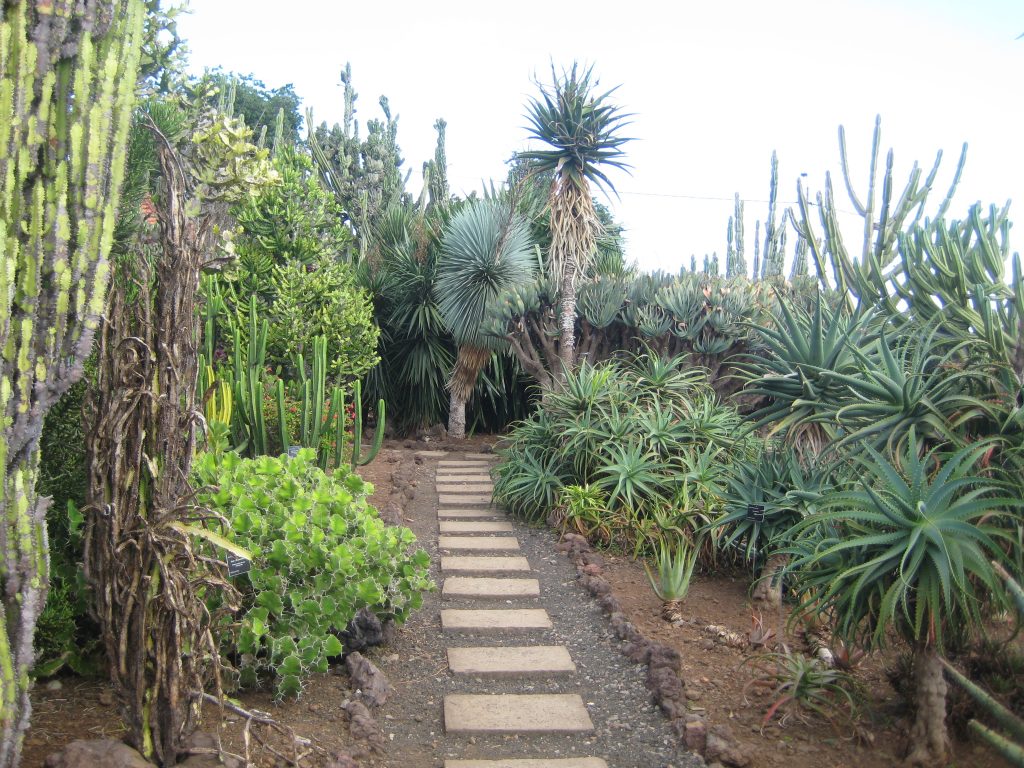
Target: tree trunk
{"points": [[929, 740], [768, 589], [456, 417], [149, 587], [567, 323]]}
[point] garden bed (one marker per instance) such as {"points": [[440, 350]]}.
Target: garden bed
{"points": [[716, 677]]}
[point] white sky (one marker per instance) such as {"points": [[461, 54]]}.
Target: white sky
{"points": [[714, 87]]}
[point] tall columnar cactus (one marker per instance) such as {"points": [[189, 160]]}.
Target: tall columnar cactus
{"points": [[67, 76], [735, 260], [884, 218], [358, 460], [248, 428], [774, 235]]}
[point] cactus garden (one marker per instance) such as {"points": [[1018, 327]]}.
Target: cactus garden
{"points": [[310, 464]]}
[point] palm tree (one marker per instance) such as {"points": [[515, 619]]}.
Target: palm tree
{"points": [[582, 129], [486, 250]]}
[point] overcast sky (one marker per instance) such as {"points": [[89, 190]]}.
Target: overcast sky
{"points": [[714, 88]]}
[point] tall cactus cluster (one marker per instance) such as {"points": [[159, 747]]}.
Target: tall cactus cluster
{"points": [[67, 76]]}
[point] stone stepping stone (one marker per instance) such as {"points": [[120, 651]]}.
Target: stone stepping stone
{"points": [[516, 713], [470, 514], [475, 526], [517, 661], [498, 622], [480, 543], [463, 499], [467, 564], [431, 454], [480, 456], [465, 487], [463, 464], [565, 762], [484, 588]]}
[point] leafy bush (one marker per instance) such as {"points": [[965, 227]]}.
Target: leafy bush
{"points": [[65, 634], [322, 302], [320, 554]]}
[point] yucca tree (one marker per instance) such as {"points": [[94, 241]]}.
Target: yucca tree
{"points": [[486, 250], [582, 128], [908, 550]]}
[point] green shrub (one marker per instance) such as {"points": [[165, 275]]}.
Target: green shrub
{"points": [[624, 451], [322, 302], [65, 634], [320, 554]]}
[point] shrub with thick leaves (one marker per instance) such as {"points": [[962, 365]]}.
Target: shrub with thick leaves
{"points": [[320, 554]]}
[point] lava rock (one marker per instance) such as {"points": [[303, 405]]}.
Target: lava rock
{"points": [[639, 652], [596, 586], [391, 514], [364, 631], [373, 685], [723, 746], [695, 735], [592, 558], [97, 753], [363, 728], [665, 656], [609, 604], [203, 742]]}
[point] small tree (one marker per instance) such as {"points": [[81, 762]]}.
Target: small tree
{"points": [[582, 129], [149, 584], [908, 550], [486, 250]]}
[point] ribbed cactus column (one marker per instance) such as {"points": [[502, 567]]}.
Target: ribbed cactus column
{"points": [[67, 78]]}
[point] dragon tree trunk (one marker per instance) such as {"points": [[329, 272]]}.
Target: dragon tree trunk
{"points": [[67, 87], [148, 582]]}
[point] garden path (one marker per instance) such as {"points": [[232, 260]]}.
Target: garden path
{"points": [[497, 629]]}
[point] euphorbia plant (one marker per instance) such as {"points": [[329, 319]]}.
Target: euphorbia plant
{"points": [[908, 550]]}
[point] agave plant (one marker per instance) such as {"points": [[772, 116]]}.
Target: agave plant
{"points": [[675, 571], [907, 550]]}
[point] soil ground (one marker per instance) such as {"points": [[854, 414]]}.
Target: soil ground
{"points": [[71, 708]]}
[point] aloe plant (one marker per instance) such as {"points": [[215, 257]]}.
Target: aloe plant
{"points": [[675, 572], [907, 550]]}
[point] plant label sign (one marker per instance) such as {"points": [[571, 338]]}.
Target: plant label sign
{"points": [[755, 513], [238, 565]]}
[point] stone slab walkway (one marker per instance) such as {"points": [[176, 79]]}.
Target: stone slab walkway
{"points": [[467, 522]]}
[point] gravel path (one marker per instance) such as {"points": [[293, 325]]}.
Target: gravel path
{"points": [[629, 731]]}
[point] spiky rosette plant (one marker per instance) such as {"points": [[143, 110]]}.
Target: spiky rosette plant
{"points": [[486, 250], [908, 550], [582, 128]]}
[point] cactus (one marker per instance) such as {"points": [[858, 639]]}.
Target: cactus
{"points": [[248, 428], [757, 250], [357, 430], [1011, 746], [67, 79], [774, 236], [877, 251], [740, 267]]}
